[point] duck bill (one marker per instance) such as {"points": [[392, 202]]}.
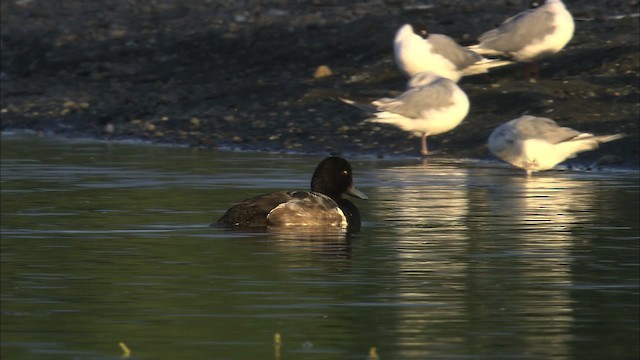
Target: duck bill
{"points": [[356, 193]]}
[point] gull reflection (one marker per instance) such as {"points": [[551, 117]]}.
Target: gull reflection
{"points": [[554, 202], [421, 196], [426, 208], [529, 230], [483, 250]]}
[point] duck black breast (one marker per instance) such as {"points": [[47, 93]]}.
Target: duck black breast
{"points": [[322, 206]]}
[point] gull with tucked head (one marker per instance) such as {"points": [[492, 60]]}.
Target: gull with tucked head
{"points": [[416, 51], [536, 143]]}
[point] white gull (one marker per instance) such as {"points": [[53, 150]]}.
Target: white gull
{"points": [[531, 35], [417, 51], [432, 105], [538, 143]]}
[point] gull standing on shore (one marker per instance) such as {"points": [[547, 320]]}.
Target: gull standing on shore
{"points": [[432, 105], [531, 35], [415, 51], [537, 143]]}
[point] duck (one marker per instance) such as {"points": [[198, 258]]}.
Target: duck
{"points": [[538, 143], [431, 105], [530, 36], [323, 206], [415, 50]]}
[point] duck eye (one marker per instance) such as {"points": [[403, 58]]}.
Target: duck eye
{"points": [[345, 172]]}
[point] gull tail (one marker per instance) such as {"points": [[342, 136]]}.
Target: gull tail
{"points": [[484, 52], [483, 66], [384, 117], [585, 142], [607, 138], [360, 105]]}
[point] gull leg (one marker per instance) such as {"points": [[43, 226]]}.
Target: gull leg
{"points": [[424, 151], [532, 67]]}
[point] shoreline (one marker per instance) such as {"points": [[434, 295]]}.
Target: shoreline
{"points": [[572, 165]]}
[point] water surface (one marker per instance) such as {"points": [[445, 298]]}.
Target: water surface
{"points": [[105, 243]]}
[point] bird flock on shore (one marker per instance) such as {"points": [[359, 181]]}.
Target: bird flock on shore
{"points": [[434, 104]]}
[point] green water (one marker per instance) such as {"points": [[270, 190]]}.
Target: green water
{"points": [[104, 243]]}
